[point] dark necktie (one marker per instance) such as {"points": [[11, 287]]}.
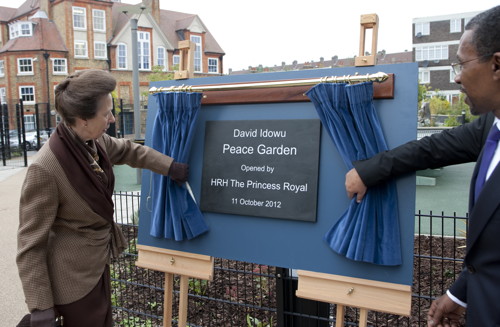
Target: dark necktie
{"points": [[488, 152]]}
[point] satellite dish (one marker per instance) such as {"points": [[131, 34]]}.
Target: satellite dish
{"points": [[425, 63], [419, 34]]}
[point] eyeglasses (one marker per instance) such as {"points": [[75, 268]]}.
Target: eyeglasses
{"points": [[109, 115], [457, 67]]}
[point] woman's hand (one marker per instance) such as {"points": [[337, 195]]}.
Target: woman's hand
{"points": [[43, 318], [178, 172]]}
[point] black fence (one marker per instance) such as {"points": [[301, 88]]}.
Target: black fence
{"points": [[247, 294], [25, 129]]}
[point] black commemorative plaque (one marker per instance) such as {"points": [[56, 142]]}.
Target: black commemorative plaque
{"points": [[264, 168]]}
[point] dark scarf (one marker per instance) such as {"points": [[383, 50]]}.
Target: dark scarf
{"points": [[92, 179]]}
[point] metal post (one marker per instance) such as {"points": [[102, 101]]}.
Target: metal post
{"points": [[135, 78], [23, 130], [2, 136], [112, 127], [5, 127], [135, 87], [46, 55], [37, 124], [122, 120]]}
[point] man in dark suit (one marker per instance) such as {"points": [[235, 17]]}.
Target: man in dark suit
{"points": [[478, 72]]}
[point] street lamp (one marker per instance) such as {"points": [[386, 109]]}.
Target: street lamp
{"points": [[136, 9]]}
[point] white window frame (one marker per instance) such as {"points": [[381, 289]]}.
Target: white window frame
{"points": [[143, 48], [456, 25], [22, 28], [424, 76], [29, 122], [121, 60], [85, 48], [431, 52], [82, 15], [23, 94], [422, 28], [3, 95], [25, 31], [176, 60], [161, 57], [104, 54], [2, 68], [14, 31], [213, 65], [28, 65], [196, 39], [452, 75], [59, 66], [99, 18]]}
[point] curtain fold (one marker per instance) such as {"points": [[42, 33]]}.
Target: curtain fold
{"points": [[175, 214], [366, 231]]}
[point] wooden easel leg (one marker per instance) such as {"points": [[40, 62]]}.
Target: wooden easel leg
{"points": [[363, 317], [167, 302], [183, 301], [339, 321]]}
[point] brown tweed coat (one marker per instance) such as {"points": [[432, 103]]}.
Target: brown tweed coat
{"points": [[63, 245]]}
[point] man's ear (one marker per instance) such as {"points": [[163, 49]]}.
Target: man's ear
{"points": [[496, 65]]}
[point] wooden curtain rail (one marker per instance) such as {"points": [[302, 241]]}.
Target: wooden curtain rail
{"points": [[351, 79]]}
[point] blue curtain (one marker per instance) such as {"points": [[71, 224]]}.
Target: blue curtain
{"points": [[175, 214], [367, 231]]}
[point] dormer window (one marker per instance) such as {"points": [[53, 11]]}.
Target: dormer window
{"points": [[19, 29]]}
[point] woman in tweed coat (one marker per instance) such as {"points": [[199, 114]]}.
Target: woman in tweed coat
{"points": [[66, 234]]}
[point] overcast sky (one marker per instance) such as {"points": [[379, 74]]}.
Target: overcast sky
{"points": [[269, 32]]}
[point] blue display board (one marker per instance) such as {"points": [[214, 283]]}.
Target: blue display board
{"points": [[294, 243]]}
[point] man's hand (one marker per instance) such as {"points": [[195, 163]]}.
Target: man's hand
{"points": [[178, 172], [354, 185], [444, 313]]}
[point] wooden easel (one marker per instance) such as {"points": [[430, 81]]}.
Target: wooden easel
{"points": [[354, 292], [171, 262], [367, 22], [348, 291], [186, 64]]}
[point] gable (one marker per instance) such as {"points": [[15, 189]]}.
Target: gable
{"points": [[196, 26]]}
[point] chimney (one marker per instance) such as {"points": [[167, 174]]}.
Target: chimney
{"points": [[154, 7], [44, 6]]}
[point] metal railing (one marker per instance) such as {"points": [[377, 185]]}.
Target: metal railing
{"points": [[247, 294]]}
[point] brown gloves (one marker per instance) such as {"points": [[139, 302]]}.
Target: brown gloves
{"points": [[43, 318], [178, 172]]}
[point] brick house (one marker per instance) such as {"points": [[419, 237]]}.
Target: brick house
{"points": [[382, 58], [435, 44], [43, 41]]}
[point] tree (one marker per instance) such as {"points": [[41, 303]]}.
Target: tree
{"points": [[157, 74], [439, 105]]}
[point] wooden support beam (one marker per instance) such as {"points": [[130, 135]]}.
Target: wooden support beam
{"points": [[367, 22], [355, 292], [384, 90], [179, 263], [186, 64]]}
